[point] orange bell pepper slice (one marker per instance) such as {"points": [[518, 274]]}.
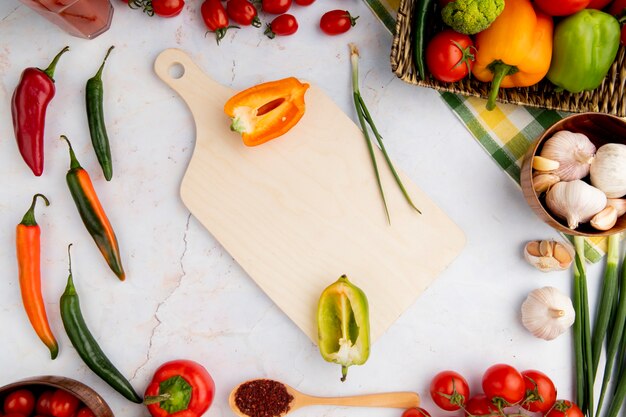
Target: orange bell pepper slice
{"points": [[515, 51], [267, 111]]}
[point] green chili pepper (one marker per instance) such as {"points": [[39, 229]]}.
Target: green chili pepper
{"points": [[85, 344], [92, 213], [585, 46], [343, 325], [94, 92], [422, 14]]}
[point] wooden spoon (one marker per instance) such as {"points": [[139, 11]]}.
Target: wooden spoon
{"points": [[388, 400]]}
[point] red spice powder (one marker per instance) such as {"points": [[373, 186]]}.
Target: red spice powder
{"points": [[263, 398]]}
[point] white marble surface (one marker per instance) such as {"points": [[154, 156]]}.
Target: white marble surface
{"points": [[185, 297]]}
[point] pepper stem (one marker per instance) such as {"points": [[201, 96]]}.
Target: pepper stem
{"points": [[155, 399], [99, 73], [74, 164], [69, 288], [500, 70], [344, 373], [50, 70], [29, 217]]}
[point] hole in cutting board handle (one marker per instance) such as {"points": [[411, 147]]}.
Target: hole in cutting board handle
{"points": [[176, 70]]}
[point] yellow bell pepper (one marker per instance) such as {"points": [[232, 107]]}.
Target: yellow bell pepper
{"points": [[515, 51]]}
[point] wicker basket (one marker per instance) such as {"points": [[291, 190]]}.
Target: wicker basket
{"points": [[608, 98]]}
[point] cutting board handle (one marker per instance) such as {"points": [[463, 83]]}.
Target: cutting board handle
{"points": [[177, 70]]}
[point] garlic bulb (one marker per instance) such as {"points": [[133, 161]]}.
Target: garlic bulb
{"points": [[547, 255], [573, 151], [618, 204], [605, 219], [547, 313], [608, 171], [575, 201]]}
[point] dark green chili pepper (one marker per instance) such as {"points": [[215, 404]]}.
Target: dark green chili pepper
{"points": [[422, 14], [86, 345], [94, 93]]}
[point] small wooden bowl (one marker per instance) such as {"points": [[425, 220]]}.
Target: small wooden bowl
{"points": [[38, 384], [600, 128]]}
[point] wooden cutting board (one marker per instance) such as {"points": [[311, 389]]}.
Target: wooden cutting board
{"points": [[302, 209]]}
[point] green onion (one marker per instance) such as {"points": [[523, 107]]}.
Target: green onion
{"points": [[607, 300], [366, 119], [578, 335], [581, 306]]}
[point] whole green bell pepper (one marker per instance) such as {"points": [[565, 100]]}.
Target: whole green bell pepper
{"points": [[585, 46], [343, 325]]}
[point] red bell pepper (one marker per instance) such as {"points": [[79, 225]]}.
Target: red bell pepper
{"points": [[180, 388], [28, 107]]}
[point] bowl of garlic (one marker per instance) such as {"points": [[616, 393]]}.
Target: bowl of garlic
{"points": [[574, 177]]}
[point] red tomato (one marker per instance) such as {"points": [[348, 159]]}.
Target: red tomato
{"points": [[540, 392], [243, 12], [63, 404], [503, 383], [449, 390], [415, 412], [479, 405], [15, 415], [215, 18], [618, 8], [21, 401], [43, 403], [598, 4], [444, 3], [167, 8], [564, 408], [304, 2], [561, 7], [85, 412], [276, 6], [449, 56], [336, 22], [283, 25]]}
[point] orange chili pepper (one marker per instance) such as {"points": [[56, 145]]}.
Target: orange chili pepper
{"points": [[267, 110], [515, 51], [28, 264]]}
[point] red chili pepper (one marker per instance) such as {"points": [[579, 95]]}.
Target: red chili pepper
{"points": [[28, 264], [28, 107], [180, 388]]}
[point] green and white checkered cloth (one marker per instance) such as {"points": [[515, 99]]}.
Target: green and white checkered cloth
{"points": [[506, 132]]}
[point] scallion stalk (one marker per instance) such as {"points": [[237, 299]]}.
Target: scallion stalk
{"points": [[582, 315]]}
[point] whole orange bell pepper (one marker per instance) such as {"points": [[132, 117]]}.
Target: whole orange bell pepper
{"points": [[267, 110], [515, 51]]}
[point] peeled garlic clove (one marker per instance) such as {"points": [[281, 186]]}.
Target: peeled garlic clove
{"points": [[573, 151], [544, 164], [575, 201], [543, 255], [547, 313], [604, 220], [542, 182], [608, 170], [618, 204]]}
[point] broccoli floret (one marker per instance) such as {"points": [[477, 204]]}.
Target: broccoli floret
{"points": [[471, 16]]}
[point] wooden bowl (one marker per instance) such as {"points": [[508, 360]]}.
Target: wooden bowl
{"points": [[600, 128], [38, 384]]}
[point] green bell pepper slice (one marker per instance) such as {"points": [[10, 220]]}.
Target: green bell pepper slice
{"points": [[343, 325], [585, 46]]}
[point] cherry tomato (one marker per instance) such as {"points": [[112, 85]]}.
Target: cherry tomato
{"points": [[85, 412], [564, 408], [479, 405], [336, 22], [415, 412], [276, 6], [503, 383], [167, 8], [598, 4], [283, 25], [63, 404], [618, 8], [304, 2], [449, 56], [43, 403], [15, 415], [243, 12], [21, 401], [215, 18], [540, 392], [449, 390], [561, 7]]}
